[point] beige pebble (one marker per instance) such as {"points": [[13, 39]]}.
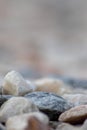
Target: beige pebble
{"points": [[21, 122], [15, 84], [16, 106], [51, 85]]}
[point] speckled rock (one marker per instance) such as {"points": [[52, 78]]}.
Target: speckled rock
{"points": [[14, 84], [49, 103], [16, 106], [75, 115], [22, 122], [51, 85], [76, 99]]}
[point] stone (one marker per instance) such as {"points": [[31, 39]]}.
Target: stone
{"points": [[75, 115], [22, 122], [76, 99], [66, 126], [16, 106], [51, 85], [49, 103], [15, 84]]}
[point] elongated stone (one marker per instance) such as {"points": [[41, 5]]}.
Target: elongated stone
{"points": [[51, 85], [49, 103], [75, 115]]}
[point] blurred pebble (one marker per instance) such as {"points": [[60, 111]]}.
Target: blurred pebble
{"points": [[49, 103], [51, 85], [76, 99], [75, 115], [23, 121], [14, 84], [16, 106]]}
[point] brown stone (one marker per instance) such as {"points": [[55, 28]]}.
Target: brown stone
{"points": [[74, 115]]}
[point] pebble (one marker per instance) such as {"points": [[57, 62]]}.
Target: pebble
{"points": [[51, 85], [49, 103], [30, 121], [15, 84], [16, 106], [66, 126], [76, 99], [75, 115]]}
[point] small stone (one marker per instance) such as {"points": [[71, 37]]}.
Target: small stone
{"points": [[76, 99], [14, 84], [49, 103], [51, 85], [23, 121], [16, 106], [66, 126], [75, 115]]}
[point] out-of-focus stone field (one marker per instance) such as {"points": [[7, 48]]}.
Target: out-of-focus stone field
{"points": [[43, 37]]}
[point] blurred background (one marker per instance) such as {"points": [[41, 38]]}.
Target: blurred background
{"points": [[44, 37]]}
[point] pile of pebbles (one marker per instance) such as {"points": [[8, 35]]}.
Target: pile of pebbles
{"points": [[43, 104]]}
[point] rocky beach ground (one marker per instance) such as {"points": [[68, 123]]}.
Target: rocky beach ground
{"points": [[46, 103]]}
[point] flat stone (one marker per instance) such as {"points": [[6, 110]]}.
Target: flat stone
{"points": [[30, 121], [76, 99], [51, 85], [15, 84], [16, 106], [75, 115], [49, 103]]}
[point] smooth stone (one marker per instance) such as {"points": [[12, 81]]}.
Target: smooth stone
{"points": [[51, 85], [15, 84], [16, 106], [49, 103], [66, 126], [76, 99], [75, 115], [23, 121]]}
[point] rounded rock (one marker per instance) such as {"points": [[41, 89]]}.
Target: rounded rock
{"points": [[49, 103], [16, 106]]}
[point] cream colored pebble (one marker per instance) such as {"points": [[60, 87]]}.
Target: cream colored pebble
{"points": [[51, 85], [15, 84]]}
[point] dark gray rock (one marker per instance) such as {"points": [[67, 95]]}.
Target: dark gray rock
{"points": [[4, 98], [49, 103], [2, 127]]}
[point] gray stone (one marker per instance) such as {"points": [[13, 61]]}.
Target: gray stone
{"points": [[49, 103]]}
